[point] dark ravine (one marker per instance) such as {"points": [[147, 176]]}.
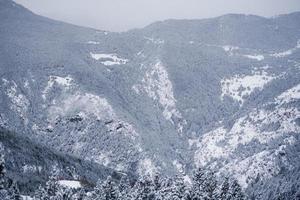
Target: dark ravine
{"points": [[221, 93]]}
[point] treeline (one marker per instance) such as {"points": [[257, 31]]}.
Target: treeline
{"points": [[203, 186]]}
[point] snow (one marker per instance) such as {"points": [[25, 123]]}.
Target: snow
{"points": [[282, 54], [85, 103], [239, 87], [229, 48], [155, 41], [63, 82], [89, 105], [262, 164], [93, 42], [178, 166], [103, 159], [146, 167], [109, 59], [287, 52], [255, 57], [70, 184], [157, 85], [219, 147], [19, 102], [289, 95], [26, 197], [31, 169]]}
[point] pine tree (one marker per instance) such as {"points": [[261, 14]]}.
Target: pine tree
{"points": [[13, 192], [111, 191], [41, 194], [224, 190], [178, 189], [79, 194], [165, 190], [197, 190], [105, 191], [210, 186], [2, 168], [3, 191], [124, 188], [236, 192]]}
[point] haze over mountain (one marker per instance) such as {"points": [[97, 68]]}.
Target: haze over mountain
{"points": [[119, 15], [221, 93]]}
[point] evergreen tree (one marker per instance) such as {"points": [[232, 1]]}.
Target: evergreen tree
{"points": [[197, 190], [79, 194], [3, 192], [105, 191], [210, 186], [236, 192], [178, 189], [41, 194], [124, 188], [224, 190], [165, 190], [13, 192], [2, 168]]}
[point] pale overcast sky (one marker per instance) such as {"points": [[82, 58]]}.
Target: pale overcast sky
{"points": [[121, 15]]}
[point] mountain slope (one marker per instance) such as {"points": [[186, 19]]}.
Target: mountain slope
{"points": [[31, 164], [165, 98]]}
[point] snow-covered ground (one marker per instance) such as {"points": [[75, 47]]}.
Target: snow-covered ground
{"points": [[19, 102], [62, 82], [70, 184], [219, 147], [146, 167], [255, 57], [157, 85], [289, 95], [93, 42], [155, 41], [287, 52], [109, 59], [239, 87]]}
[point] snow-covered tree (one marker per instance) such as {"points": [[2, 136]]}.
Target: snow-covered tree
{"points": [[79, 194], [124, 188], [14, 192], [236, 192], [3, 190], [224, 190], [165, 190], [197, 190], [178, 188], [105, 191], [41, 194], [210, 186], [2, 168]]}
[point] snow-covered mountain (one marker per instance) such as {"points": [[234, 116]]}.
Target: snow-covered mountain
{"points": [[221, 93]]}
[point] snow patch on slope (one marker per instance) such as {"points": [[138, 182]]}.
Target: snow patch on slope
{"points": [[239, 87], [62, 82], [221, 148], [289, 95], [109, 59], [287, 52], [154, 41], [19, 102], [255, 57], [146, 167], [93, 42], [157, 85], [70, 184], [87, 105]]}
